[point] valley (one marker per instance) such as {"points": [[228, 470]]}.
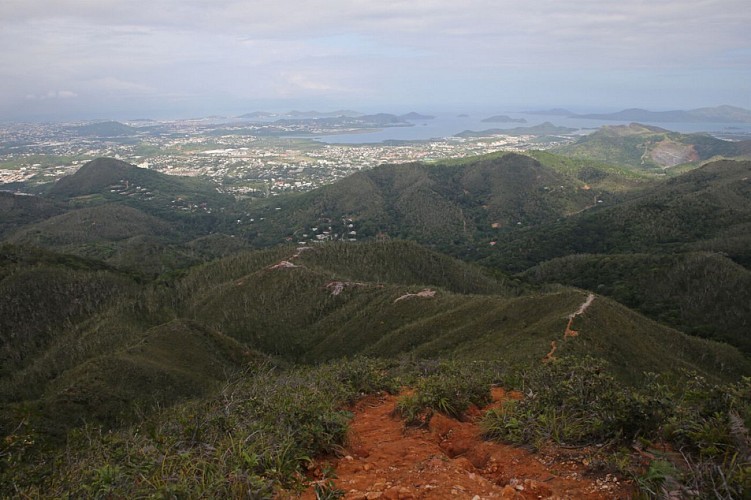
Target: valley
{"points": [[166, 335]]}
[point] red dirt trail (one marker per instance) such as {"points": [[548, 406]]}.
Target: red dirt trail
{"points": [[451, 460]]}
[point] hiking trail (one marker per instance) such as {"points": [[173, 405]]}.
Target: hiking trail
{"points": [[450, 459], [569, 332]]}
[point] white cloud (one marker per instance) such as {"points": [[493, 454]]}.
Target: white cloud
{"points": [[51, 94], [252, 49]]}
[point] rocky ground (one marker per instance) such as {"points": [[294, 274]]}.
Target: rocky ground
{"points": [[450, 459]]}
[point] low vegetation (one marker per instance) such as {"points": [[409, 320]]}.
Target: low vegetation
{"points": [[255, 436], [691, 436]]}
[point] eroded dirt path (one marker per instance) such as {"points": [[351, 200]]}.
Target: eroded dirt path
{"points": [[451, 460]]}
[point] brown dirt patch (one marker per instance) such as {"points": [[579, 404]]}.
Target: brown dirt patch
{"points": [[450, 459]]}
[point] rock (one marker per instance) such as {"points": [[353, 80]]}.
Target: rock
{"points": [[478, 456], [464, 463], [457, 447], [391, 494], [509, 492], [405, 494], [441, 426]]}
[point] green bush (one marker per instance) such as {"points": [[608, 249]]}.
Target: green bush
{"points": [[572, 401], [577, 402], [451, 389], [256, 436]]}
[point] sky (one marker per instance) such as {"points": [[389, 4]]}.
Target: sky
{"points": [[128, 59]]}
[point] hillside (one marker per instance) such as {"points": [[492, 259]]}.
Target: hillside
{"points": [[651, 148], [127, 216], [145, 352], [44, 294], [302, 310], [703, 294], [108, 179], [324, 303], [448, 205], [707, 209], [20, 210]]}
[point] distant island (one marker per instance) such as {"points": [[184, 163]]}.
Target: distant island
{"points": [[416, 116], [503, 119], [546, 128], [719, 114], [551, 112]]}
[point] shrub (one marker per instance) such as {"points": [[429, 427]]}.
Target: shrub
{"points": [[450, 389], [571, 401]]}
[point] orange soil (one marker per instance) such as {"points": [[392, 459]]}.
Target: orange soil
{"points": [[451, 460]]}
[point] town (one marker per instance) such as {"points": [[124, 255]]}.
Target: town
{"points": [[247, 161]]}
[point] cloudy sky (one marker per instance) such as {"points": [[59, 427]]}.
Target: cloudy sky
{"points": [[65, 59]]}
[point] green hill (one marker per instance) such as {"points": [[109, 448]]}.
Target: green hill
{"points": [[45, 294], [322, 303], [652, 148], [703, 294], [117, 234], [707, 209], [105, 129], [111, 179], [130, 217], [302, 310], [448, 204], [155, 345]]}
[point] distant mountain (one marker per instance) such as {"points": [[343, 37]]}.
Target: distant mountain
{"points": [[503, 119], [720, 114], [362, 121], [257, 115], [644, 146], [317, 114], [551, 112], [130, 217], [416, 116], [546, 128], [105, 130], [300, 115]]}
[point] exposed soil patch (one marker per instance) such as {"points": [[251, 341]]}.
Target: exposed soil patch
{"points": [[452, 460], [427, 293], [569, 332]]}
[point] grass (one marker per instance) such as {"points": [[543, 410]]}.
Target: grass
{"points": [[577, 401], [254, 436]]}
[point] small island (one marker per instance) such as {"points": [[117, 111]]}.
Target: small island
{"points": [[503, 119]]}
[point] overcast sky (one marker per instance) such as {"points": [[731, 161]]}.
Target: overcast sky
{"points": [[64, 59]]}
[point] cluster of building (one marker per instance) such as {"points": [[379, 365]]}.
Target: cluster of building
{"points": [[242, 163]]}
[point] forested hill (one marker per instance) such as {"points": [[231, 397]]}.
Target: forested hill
{"points": [[446, 204], [647, 147]]}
